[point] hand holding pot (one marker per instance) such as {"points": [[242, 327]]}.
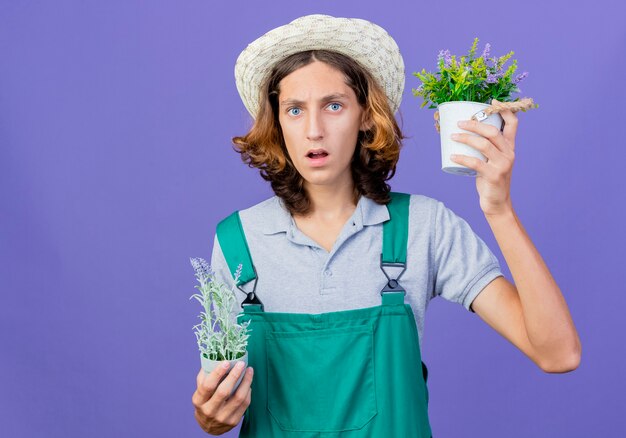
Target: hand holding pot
{"points": [[493, 179], [216, 412]]}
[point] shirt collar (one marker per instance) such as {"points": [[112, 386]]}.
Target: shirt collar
{"points": [[367, 212]]}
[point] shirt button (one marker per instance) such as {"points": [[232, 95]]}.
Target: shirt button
{"points": [[328, 272]]}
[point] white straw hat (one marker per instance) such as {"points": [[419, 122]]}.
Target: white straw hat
{"points": [[364, 41]]}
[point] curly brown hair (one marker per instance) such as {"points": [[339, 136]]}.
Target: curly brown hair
{"points": [[376, 153]]}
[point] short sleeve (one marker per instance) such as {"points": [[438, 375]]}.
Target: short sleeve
{"points": [[463, 263], [222, 274]]}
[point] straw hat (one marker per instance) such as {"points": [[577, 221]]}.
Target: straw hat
{"points": [[364, 41]]}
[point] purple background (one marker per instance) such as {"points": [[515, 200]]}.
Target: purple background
{"points": [[115, 166]]}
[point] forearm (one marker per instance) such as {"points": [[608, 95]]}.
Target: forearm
{"points": [[548, 322]]}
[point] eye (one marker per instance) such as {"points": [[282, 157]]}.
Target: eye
{"points": [[336, 104], [293, 107]]}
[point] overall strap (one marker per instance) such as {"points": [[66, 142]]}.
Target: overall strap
{"points": [[232, 240], [235, 248], [395, 240]]}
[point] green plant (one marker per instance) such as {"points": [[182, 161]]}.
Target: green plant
{"points": [[472, 79], [230, 342]]}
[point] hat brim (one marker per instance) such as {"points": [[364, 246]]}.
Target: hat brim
{"points": [[362, 40]]}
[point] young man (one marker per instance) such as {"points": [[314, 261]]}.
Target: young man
{"points": [[332, 352]]}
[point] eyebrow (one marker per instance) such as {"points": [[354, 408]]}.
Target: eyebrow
{"points": [[327, 98]]}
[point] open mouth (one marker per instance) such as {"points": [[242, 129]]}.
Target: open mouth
{"points": [[315, 155], [317, 159]]}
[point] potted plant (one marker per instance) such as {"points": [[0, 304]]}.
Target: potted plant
{"points": [[230, 341], [472, 88]]}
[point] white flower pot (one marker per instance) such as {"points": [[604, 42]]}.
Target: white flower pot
{"points": [[449, 114], [209, 365]]}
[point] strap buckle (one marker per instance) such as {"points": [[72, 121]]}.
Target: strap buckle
{"points": [[251, 297], [392, 284]]}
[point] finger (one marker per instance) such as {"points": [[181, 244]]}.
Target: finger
{"points": [[240, 400], [239, 412], [489, 132], [472, 162], [225, 388], [207, 383], [510, 125], [481, 144]]}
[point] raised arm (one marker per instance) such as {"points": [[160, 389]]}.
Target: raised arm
{"points": [[532, 314]]}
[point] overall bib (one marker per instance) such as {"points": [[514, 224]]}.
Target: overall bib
{"points": [[352, 373]]}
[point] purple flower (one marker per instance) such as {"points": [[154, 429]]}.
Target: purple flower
{"points": [[491, 78], [520, 77], [447, 57], [202, 268], [486, 52]]}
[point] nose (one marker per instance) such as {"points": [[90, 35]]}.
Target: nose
{"points": [[314, 128]]}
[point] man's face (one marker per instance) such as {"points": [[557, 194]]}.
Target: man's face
{"points": [[318, 110]]}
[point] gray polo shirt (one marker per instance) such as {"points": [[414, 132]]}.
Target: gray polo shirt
{"points": [[295, 274]]}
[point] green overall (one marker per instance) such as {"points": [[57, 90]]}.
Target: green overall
{"points": [[352, 373]]}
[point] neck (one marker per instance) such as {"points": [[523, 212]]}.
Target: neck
{"points": [[331, 203]]}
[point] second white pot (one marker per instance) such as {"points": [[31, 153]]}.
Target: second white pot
{"points": [[449, 114]]}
